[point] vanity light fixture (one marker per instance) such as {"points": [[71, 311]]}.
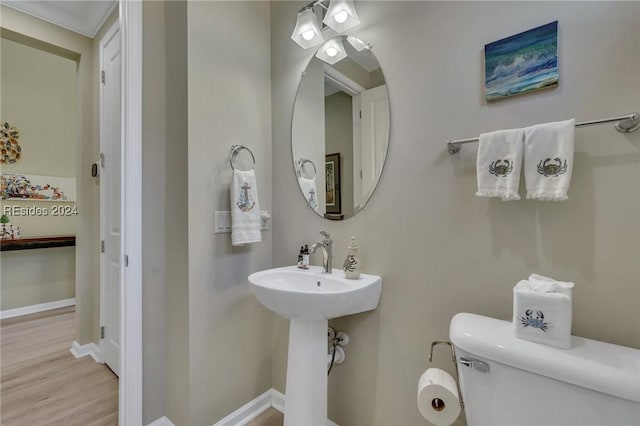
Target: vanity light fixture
{"points": [[358, 44], [341, 15], [307, 32], [332, 51]]}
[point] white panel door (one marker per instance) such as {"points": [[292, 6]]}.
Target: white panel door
{"points": [[110, 199], [374, 133]]}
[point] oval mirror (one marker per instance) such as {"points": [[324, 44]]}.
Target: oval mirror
{"points": [[340, 128]]}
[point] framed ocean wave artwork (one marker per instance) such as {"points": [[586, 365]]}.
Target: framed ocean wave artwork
{"points": [[522, 63]]}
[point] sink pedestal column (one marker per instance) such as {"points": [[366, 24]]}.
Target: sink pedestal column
{"points": [[306, 392]]}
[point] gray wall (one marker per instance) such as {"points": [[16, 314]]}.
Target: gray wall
{"points": [[448, 251], [207, 342], [308, 128], [35, 32], [229, 92], [338, 119], [154, 199]]}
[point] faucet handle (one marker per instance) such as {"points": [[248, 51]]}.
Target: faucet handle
{"points": [[326, 235]]}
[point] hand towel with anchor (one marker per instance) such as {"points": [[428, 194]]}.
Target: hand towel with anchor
{"points": [[245, 210]]}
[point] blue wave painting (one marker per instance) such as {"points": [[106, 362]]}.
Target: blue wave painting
{"points": [[522, 63]]}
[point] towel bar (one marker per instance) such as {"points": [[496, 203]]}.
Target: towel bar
{"points": [[302, 162], [624, 124], [234, 151]]}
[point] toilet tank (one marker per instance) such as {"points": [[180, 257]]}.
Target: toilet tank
{"points": [[507, 381]]}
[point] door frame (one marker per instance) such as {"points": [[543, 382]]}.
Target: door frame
{"points": [[103, 41], [130, 383], [355, 90]]}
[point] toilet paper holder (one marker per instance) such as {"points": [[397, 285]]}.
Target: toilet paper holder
{"points": [[455, 364]]}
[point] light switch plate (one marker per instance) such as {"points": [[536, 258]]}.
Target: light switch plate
{"points": [[222, 222]]}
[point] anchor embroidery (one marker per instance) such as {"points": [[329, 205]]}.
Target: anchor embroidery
{"points": [[312, 199], [245, 203]]}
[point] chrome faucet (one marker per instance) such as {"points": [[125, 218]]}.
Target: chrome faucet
{"points": [[327, 255]]}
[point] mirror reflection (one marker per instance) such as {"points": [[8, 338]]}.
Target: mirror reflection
{"points": [[340, 128]]}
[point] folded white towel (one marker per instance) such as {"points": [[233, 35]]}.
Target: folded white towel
{"points": [[548, 160], [308, 188], [542, 311], [499, 163], [245, 210]]}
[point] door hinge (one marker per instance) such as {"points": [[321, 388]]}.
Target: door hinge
{"points": [[360, 174], [102, 246], [102, 160], [102, 77], [361, 115], [102, 332], [126, 260]]}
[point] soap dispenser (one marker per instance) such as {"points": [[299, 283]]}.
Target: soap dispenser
{"points": [[352, 263], [300, 257]]}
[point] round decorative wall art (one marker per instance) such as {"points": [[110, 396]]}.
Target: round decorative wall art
{"points": [[10, 150]]}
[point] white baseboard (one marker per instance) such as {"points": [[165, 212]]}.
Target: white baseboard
{"points": [[252, 409], [277, 400], [162, 421], [90, 349], [26, 310]]}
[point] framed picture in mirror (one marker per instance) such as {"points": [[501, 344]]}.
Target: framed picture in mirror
{"points": [[332, 183]]}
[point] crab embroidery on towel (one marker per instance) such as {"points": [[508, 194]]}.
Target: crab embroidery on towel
{"points": [[538, 322], [245, 203], [555, 169], [501, 168]]}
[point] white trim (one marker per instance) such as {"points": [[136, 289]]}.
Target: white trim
{"points": [[162, 421], [90, 349], [130, 388], [104, 19], [255, 407], [356, 107], [249, 411], [277, 400], [342, 81], [106, 38], [32, 309]]}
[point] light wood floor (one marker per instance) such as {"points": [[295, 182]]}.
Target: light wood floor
{"points": [[41, 383], [271, 417]]}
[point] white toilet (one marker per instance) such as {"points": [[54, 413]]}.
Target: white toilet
{"points": [[512, 382]]}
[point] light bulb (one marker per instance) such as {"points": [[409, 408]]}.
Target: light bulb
{"points": [[332, 52], [308, 35], [341, 16]]}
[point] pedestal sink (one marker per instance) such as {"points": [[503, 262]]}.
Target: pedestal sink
{"points": [[309, 298]]}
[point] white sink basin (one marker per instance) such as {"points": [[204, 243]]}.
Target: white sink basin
{"points": [[309, 299], [312, 295]]}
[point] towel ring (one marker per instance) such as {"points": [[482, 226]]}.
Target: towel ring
{"points": [[234, 151], [302, 162]]}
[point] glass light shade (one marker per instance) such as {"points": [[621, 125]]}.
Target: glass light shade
{"points": [[332, 51], [358, 44], [307, 32], [341, 15]]}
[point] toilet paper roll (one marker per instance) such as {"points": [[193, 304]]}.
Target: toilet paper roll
{"points": [[438, 400]]}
